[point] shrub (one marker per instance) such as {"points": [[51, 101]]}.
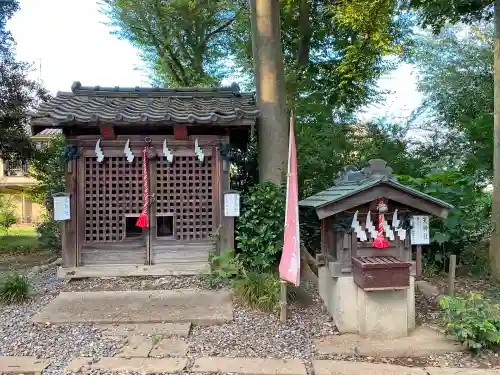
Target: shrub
{"points": [[259, 229], [224, 267], [474, 321], [8, 216], [258, 290], [14, 288], [49, 234]]}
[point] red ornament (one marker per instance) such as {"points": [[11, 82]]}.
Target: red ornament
{"points": [[380, 242], [142, 220]]}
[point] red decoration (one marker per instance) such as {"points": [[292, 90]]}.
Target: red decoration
{"points": [[380, 242], [181, 133], [142, 220]]}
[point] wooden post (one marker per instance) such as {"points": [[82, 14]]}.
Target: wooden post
{"points": [[283, 302], [419, 260], [451, 274]]}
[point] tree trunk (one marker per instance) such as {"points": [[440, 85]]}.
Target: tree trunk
{"points": [[270, 84], [495, 209]]}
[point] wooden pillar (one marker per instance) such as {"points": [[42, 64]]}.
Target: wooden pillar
{"points": [[69, 230], [227, 230]]}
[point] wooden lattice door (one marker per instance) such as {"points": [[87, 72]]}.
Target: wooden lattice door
{"points": [[182, 220], [113, 192]]}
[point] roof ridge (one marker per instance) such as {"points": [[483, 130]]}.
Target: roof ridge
{"points": [[227, 91]]}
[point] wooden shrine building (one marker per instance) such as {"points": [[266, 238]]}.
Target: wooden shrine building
{"points": [[187, 135], [372, 232]]}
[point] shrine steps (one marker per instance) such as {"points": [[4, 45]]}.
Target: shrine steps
{"points": [[124, 270]]}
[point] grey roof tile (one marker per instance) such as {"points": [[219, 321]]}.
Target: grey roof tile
{"points": [[134, 105]]}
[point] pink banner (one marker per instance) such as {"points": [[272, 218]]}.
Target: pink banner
{"points": [[290, 258]]}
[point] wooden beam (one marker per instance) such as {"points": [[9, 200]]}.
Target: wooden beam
{"points": [[69, 231]]}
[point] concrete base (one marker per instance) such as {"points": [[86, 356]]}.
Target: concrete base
{"points": [[384, 314], [126, 270]]}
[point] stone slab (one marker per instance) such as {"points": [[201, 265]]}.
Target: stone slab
{"points": [[136, 346], [164, 329], [327, 367], [22, 365], [250, 366], [422, 342], [78, 365], [194, 306], [426, 288], [141, 365], [169, 347], [459, 371]]}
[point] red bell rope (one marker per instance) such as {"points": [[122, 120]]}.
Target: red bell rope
{"points": [[380, 242], [142, 220]]}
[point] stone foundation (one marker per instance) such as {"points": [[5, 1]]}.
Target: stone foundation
{"points": [[384, 314]]}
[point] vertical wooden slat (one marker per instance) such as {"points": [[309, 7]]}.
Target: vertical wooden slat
{"points": [[227, 229], [216, 195], [354, 244], [324, 238], [80, 218], [153, 166], [68, 238]]}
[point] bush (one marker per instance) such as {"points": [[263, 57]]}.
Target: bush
{"points": [[49, 234], [14, 288], [474, 321], [224, 268], [259, 229], [8, 216]]}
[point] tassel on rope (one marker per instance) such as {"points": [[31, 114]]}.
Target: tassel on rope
{"points": [[380, 242], [142, 221]]}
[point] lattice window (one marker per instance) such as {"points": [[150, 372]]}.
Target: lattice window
{"points": [[184, 188], [112, 188]]}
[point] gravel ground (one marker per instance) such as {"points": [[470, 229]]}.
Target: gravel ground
{"points": [[251, 334]]}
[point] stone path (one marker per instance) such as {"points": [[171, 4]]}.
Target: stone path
{"points": [[187, 305], [248, 366], [422, 342]]}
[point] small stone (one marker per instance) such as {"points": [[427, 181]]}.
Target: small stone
{"points": [[58, 262]]}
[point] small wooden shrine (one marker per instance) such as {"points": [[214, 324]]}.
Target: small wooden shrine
{"points": [[147, 171], [372, 232]]}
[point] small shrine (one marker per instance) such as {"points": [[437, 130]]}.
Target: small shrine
{"points": [[147, 176], [372, 232]]}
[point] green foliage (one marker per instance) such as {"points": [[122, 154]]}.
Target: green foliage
{"points": [[47, 167], [14, 287], [456, 81], [183, 41], [437, 13], [8, 216], [49, 234], [224, 268], [259, 229], [474, 321], [467, 224], [18, 94], [257, 290]]}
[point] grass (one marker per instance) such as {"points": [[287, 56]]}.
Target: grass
{"points": [[15, 287], [19, 240]]}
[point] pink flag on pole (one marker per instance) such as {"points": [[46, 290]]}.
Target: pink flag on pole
{"points": [[290, 258]]}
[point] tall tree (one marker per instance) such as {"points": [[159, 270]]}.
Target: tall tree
{"points": [[437, 13], [18, 94], [270, 83], [183, 41]]}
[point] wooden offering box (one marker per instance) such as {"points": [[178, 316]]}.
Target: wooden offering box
{"points": [[381, 273]]}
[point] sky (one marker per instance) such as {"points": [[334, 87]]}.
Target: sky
{"points": [[67, 41]]}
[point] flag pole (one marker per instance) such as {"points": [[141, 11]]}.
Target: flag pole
{"points": [[283, 286], [283, 302]]}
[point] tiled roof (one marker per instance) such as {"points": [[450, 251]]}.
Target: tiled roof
{"points": [[49, 132], [135, 105], [363, 180]]}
